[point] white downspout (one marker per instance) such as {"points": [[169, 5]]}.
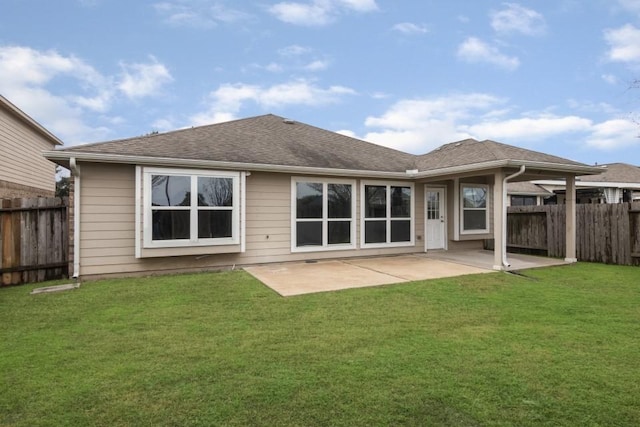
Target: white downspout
{"points": [[75, 169], [505, 262]]}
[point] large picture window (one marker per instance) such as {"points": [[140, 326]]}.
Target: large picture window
{"points": [[190, 208], [323, 215], [387, 211], [474, 205]]}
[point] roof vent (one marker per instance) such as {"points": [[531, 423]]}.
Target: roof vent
{"points": [[288, 121]]}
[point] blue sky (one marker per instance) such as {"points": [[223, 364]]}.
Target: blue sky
{"points": [[549, 75]]}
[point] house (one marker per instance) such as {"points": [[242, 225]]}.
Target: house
{"points": [[25, 172], [268, 189], [526, 193], [616, 183]]}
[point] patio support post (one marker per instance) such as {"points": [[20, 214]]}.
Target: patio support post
{"points": [[498, 218], [570, 229]]}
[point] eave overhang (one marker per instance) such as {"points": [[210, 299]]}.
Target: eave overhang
{"points": [[64, 156], [556, 168]]}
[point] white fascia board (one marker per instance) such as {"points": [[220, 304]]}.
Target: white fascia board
{"points": [[550, 167], [591, 184], [212, 164]]}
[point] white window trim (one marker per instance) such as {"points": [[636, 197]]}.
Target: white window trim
{"points": [[388, 219], [462, 208], [325, 220], [193, 241]]}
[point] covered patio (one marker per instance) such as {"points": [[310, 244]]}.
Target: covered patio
{"points": [[298, 278]]}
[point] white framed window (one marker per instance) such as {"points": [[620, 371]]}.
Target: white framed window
{"points": [[474, 208], [387, 214], [186, 207], [322, 214]]}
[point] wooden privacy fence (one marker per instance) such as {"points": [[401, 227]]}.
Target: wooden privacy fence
{"points": [[607, 233], [34, 240]]}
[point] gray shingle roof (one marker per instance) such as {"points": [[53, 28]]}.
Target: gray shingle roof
{"points": [[266, 139], [616, 172], [470, 151], [273, 140]]}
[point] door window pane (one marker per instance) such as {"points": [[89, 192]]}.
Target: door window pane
{"points": [[375, 231], [339, 232], [215, 191], [308, 200], [169, 190], [309, 233], [375, 201], [170, 225], [339, 200], [400, 202], [433, 205], [214, 224]]}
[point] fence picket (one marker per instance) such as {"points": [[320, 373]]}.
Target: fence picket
{"points": [[607, 233], [33, 240]]}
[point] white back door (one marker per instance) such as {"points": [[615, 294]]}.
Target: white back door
{"points": [[435, 218]]}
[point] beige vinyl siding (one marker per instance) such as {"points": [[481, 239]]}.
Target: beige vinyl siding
{"points": [[107, 218], [21, 152]]}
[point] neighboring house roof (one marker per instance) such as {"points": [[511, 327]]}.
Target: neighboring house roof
{"points": [[615, 172], [613, 175], [527, 188], [29, 121], [270, 142]]}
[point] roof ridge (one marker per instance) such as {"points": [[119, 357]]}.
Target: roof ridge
{"points": [[170, 132]]}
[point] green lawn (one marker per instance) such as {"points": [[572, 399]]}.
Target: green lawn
{"points": [[558, 347]]}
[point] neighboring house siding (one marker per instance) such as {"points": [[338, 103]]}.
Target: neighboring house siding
{"points": [[24, 170], [107, 235]]}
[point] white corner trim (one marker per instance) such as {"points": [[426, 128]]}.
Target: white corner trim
{"points": [[456, 208], [138, 212], [243, 212], [75, 168]]}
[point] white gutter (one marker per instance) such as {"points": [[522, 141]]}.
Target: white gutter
{"points": [[505, 262], [75, 169], [590, 184], [493, 164]]}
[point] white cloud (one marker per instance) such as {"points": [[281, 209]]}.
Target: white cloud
{"points": [[420, 125], [318, 12], [515, 18], [317, 65], [614, 134], [475, 50], [140, 80], [228, 99], [198, 14], [25, 77], [529, 128], [610, 78], [410, 28], [624, 43], [294, 50]]}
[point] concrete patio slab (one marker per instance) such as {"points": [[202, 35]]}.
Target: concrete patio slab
{"points": [[299, 278], [416, 267], [484, 259]]}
